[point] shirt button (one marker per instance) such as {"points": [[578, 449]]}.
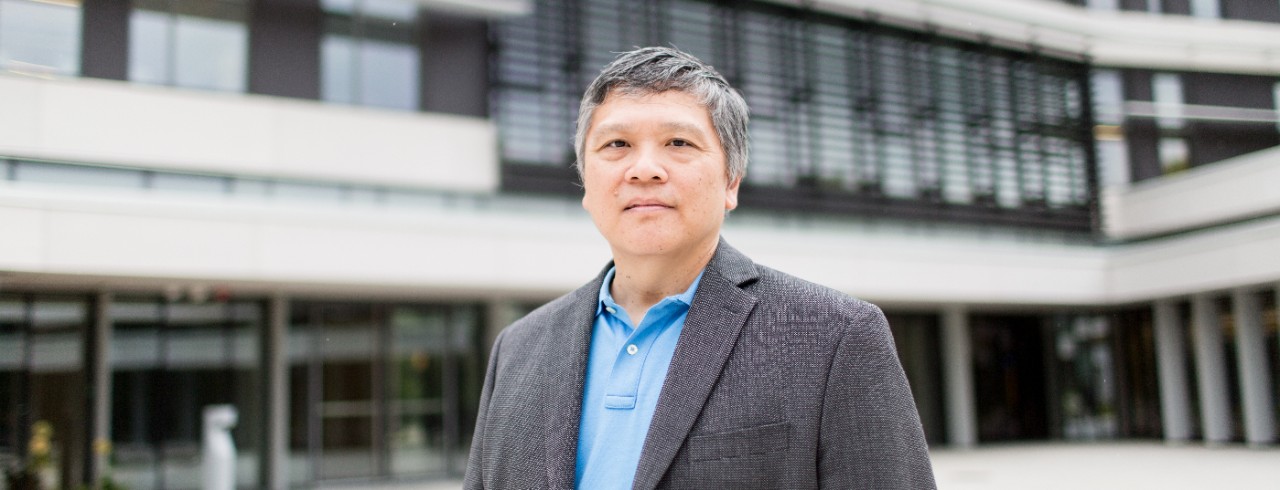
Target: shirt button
{"points": [[610, 310], [632, 349]]}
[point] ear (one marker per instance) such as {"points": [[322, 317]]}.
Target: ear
{"points": [[731, 194]]}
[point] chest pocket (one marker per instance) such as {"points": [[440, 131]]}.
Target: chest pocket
{"points": [[751, 441]]}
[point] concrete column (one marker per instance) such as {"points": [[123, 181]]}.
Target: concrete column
{"points": [[274, 458], [498, 315], [98, 369], [957, 373], [1171, 361], [1255, 375], [1211, 370]]}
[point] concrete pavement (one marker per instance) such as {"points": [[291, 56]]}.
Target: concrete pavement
{"points": [[1104, 466]]}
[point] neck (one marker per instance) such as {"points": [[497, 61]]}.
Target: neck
{"points": [[641, 282]]}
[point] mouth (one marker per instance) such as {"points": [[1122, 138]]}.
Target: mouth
{"points": [[646, 205]]}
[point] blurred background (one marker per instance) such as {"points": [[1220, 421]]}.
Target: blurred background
{"points": [[322, 211]]}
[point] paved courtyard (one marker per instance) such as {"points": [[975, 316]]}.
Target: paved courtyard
{"points": [[1102, 466], [1092, 466]]}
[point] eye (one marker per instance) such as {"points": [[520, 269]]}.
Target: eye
{"points": [[616, 144], [680, 142]]}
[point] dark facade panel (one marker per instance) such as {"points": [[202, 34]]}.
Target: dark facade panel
{"points": [[1210, 142], [1230, 90], [1254, 10], [1137, 85], [104, 51], [1177, 7], [1143, 138], [284, 48], [455, 65], [1135, 5]]}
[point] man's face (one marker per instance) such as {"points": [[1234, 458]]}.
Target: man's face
{"points": [[654, 174]]}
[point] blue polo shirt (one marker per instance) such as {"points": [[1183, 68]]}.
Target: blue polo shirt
{"points": [[625, 371]]}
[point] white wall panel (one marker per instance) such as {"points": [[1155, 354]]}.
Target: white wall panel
{"points": [[896, 267], [98, 121], [22, 240]]}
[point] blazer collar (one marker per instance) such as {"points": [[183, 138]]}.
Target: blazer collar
{"points": [[720, 308], [566, 369]]}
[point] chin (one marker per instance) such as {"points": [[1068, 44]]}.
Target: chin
{"points": [[647, 245]]}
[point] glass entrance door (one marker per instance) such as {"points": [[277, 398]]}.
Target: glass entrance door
{"points": [[375, 390], [42, 395]]}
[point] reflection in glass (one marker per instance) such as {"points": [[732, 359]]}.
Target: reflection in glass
{"points": [[1086, 377], [168, 362], [40, 37]]}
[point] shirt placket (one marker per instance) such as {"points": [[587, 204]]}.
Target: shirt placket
{"points": [[628, 366]]}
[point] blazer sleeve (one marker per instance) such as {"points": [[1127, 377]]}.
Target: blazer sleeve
{"points": [[474, 479], [870, 435]]}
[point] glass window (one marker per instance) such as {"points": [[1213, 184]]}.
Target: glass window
{"points": [[51, 173], [1086, 375], [1108, 97], [380, 390], [40, 37], [1275, 98], [189, 43], [1174, 155], [1206, 9], [42, 379], [369, 55], [1167, 92], [189, 184]]}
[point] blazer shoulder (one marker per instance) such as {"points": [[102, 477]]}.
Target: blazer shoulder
{"points": [[550, 315], [779, 290]]}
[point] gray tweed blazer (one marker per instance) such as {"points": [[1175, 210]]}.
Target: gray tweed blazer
{"points": [[776, 383]]}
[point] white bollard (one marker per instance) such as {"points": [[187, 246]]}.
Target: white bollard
{"points": [[219, 450]]}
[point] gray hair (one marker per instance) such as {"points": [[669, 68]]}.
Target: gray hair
{"points": [[658, 69]]}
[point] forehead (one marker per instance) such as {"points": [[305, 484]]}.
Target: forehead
{"points": [[623, 110]]}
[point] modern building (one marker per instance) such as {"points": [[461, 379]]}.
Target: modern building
{"points": [[321, 211]]}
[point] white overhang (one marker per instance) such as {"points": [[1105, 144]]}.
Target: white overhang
{"points": [[480, 8], [1107, 38], [539, 248], [1241, 188]]}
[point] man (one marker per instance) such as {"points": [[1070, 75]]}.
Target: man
{"points": [[684, 364]]}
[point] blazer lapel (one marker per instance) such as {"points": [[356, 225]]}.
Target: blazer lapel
{"points": [[565, 373], [720, 308]]}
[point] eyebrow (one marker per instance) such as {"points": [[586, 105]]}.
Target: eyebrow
{"points": [[670, 126]]}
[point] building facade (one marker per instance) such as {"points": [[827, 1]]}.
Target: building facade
{"points": [[322, 211]]}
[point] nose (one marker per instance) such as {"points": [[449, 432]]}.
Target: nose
{"points": [[646, 168]]}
